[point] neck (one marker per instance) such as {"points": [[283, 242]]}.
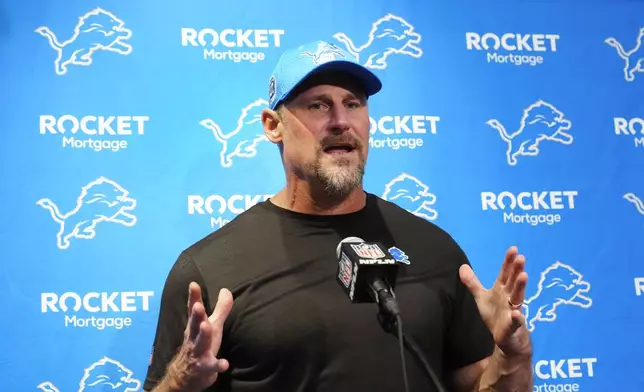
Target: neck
{"points": [[305, 198]]}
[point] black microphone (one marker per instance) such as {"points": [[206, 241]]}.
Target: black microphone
{"points": [[367, 273]]}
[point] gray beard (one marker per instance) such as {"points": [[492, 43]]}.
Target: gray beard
{"points": [[339, 179]]}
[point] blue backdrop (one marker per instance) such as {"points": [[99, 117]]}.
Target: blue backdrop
{"points": [[130, 131]]}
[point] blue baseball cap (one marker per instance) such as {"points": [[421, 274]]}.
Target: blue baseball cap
{"points": [[297, 64]]}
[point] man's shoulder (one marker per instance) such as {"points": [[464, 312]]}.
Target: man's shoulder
{"points": [[399, 215], [243, 228], [418, 231]]}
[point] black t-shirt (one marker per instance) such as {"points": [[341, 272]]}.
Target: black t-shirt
{"points": [[292, 328]]}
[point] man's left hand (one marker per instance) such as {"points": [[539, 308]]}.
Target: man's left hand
{"points": [[500, 306]]}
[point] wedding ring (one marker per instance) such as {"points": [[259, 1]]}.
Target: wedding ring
{"points": [[514, 306]]}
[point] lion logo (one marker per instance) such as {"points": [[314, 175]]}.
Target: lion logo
{"points": [[410, 193], [560, 284], [634, 58], [102, 200], [103, 375], [243, 140], [639, 204], [325, 52], [96, 30], [389, 35], [541, 121]]}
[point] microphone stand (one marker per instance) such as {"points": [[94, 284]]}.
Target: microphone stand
{"points": [[390, 325]]}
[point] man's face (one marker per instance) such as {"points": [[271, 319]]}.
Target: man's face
{"points": [[326, 132]]}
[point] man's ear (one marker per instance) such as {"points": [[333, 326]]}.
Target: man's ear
{"points": [[272, 125]]}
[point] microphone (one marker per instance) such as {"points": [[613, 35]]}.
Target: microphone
{"points": [[367, 273]]}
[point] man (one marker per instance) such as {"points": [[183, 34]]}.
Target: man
{"points": [[291, 327]]}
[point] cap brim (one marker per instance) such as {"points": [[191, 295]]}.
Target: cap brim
{"points": [[369, 81]]}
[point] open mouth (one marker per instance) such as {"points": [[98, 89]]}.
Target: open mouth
{"points": [[339, 148]]}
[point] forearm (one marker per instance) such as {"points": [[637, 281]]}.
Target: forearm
{"points": [[164, 386], [167, 384], [172, 381], [507, 374]]}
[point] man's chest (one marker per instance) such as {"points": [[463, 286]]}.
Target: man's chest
{"points": [[294, 307]]}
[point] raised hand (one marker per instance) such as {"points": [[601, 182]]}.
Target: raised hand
{"points": [[197, 366], [500, 306]]}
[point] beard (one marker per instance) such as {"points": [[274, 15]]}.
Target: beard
{"points": [[338, 176]]}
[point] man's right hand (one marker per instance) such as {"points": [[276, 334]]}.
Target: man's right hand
{"points": [[196, 366]]}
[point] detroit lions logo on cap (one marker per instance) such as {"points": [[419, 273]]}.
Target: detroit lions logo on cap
{"points": [[271, 89], [325, 52]]}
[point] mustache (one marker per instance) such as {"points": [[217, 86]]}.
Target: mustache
{"points": [[345, 139]]}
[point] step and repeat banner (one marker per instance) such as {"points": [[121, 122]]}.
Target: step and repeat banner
{"points": [[131, 130]]}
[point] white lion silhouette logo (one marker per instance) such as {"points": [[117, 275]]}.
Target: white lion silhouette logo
{"points": [[410, 193], [96, 30], [639, 204], [102, 200], [243, 140], [541, 121], [325, 52], [389, 35], [634, 58], [103, 375], [560, 284]]}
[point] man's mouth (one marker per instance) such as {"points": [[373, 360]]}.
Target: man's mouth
{"points": [[339, 148]]}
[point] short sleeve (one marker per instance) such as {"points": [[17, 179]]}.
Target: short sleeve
{"points": [[468, 338], [173, 317]]}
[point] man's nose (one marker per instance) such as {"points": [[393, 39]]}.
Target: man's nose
{"points": [[339, 119]]}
